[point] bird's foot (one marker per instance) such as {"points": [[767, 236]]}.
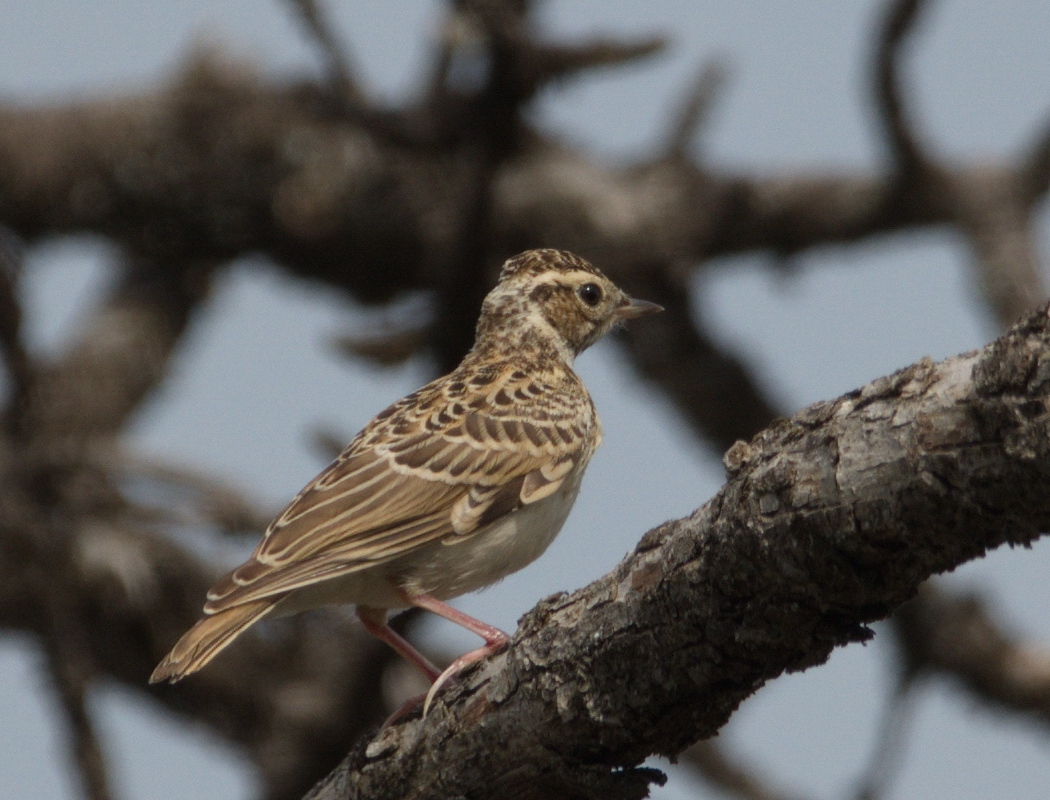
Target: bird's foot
{"points": [[493, 645], [403, 710]]}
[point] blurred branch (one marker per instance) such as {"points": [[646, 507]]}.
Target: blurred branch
{"points": [[121, 355], [898, 23], [991, 210], [12, 347], [213, 500], [325, 217], [71, 687], [957, 636], [492, 62], [337, 61], [505, 27], [559, 62], [387, 349], [70, 667], [487, 131], [707, 85], [1035, 167], [828, 521], [727, 774], [697, 376], [254, 168], [991, 206], [328, 443], [294, 696], [890, 742]]}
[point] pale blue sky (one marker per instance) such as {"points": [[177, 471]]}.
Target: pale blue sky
{"points": [[796, 100]]}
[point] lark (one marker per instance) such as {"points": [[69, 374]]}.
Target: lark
{"points": [[448, 490]]}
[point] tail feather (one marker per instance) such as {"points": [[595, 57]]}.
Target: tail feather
{"points": [[205, 640]]}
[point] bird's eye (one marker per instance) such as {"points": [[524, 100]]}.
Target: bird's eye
{"points": [[590, 293]]}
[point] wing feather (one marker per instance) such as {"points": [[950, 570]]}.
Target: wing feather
{"points": [[435, 466], [331, 563]]}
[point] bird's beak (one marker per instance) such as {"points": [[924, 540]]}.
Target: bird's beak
{"points": [[632, 308]]}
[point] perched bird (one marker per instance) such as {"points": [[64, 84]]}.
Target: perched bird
{"points": [[449, 489]]}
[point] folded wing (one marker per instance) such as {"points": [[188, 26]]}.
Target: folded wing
{"points": [[411, 479]]}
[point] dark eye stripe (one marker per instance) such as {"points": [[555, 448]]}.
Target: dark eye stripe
{"points": [[589, 293], [545, 290]]}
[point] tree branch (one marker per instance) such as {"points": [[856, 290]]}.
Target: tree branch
{"points": [[263, 172], [710, 388], [828, 521], [731, 776], [957, 636], [12, 347], [889, 744], [899, 21], [337, 61], [991, 209], [708, 83], [70, 667], [1035, 167]]}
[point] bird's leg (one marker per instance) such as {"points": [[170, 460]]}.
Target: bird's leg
{"points": [[374, 620], [495, 639]]}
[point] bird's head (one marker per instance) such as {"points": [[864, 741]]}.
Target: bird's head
{"points": [[559, 295]]}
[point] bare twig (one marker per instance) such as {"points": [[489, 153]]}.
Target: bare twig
{"points": [[12, 347], [1034, 168], [327, 442], [890, 741], [337, 61], [387, 349], [957, 636], [490, 134], [68, 666], [559, 62], [728, 774], [900, 131], [991, 210], [212, 499], [705, 88]]}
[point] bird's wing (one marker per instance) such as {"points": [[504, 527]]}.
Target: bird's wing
{"points": [[442, 463]]}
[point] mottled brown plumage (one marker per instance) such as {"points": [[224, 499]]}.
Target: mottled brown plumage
{"points": [[449, 489]]}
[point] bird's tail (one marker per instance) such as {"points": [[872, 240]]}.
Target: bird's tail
{"points": [[205, 640]]}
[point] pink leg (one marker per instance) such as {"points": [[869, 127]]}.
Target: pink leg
{"points": [[374, 620], [495, 639]]}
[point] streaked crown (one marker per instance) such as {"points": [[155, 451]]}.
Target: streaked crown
{"points": [[536, 262]]}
